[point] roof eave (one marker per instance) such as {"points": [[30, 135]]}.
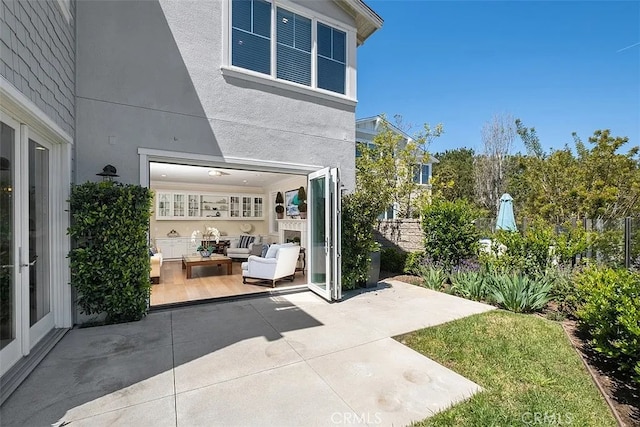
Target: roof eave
{"points": [[367, 20]]}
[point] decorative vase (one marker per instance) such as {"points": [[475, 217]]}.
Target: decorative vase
{"points": [[205, 254]]}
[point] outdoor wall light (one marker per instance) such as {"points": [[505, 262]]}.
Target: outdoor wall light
{"points": [[108, 173]]}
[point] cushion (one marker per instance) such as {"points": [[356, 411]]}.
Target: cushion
{"points": [[272, 251], [150, 252], [265, 249], [245, 241]]}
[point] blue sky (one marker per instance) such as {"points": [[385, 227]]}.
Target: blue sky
{"points": [[559, 66]]}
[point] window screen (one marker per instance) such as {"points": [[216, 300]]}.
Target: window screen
{"points": [[293, 47], [251, 35], [331, 58]]}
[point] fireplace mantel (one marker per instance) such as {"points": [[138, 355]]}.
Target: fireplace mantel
{"points": [[293, 225]]}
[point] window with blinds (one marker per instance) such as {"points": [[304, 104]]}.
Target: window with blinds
{"points": [[331, 58], [293, 47], [252, 38], [251, 35]]}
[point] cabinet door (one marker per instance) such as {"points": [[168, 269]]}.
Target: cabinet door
{"points": [[164, 208], [257, 207], [234, 206], [246, 207], [193, 205], [179, 205]]}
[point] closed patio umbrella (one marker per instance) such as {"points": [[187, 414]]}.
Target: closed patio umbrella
{"points": [[506, 220]]}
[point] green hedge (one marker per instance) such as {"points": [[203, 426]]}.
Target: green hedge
{"points": [[110, 258], [358, 218], [610, 313], [392, 260]]}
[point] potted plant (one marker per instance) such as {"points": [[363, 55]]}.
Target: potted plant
{"points": [[302, 202], [279, 207]]}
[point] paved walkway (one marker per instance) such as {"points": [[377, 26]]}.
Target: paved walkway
{"points": [[292, 360]]}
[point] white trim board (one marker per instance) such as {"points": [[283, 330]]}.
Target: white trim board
{"points": [[16, 104], [149, 154]]}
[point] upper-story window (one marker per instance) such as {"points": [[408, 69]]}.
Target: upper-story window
{"points": [[299, 58], [251, 35], [421, 174], [331, 58]]}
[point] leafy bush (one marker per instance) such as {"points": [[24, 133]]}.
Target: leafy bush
{"points": [[358, 218], [526, 252], [611, 314], [519, 293], [469, 284], [450, 235], [563, 290], [412, 264], [110, 259], [392, 260]]}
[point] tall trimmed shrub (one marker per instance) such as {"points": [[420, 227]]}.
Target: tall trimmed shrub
{"points": [[110, 257], [358, 218], [450, 235]]}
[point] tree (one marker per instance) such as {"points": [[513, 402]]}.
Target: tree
{"points": [[454, 174], [597, 182], [491, 165], [386, 169]]}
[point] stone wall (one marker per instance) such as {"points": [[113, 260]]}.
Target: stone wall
{"points": [[405, 234]]}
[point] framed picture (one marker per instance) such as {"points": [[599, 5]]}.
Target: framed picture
{"points": [[291, 202]]}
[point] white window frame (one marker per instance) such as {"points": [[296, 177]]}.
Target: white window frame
{"points": [[430, 172], [227, 69]]}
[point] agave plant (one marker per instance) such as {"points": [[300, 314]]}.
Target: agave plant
{"points": [[519, 293], [469, 284]]}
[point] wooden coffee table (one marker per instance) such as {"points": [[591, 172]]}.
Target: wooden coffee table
{"points": [[188, 262]]}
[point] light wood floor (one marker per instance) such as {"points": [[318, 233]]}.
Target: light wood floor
{"points": [[207, 282]]}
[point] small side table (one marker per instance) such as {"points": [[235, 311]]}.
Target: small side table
{"points": [[302, 259]]}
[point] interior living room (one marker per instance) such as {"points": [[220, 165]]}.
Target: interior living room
{"points": [[206, 224]]}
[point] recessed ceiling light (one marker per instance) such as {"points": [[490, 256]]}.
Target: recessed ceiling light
{"points": [[214, 173], [163, 175], [244, 180]]}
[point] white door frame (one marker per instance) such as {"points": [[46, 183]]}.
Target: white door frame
{"points": [[31, 122]]}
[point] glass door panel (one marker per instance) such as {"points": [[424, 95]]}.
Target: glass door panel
{"points": [[178, 205], [39, 252], [11, 305], [318, 245], [7, 233]]}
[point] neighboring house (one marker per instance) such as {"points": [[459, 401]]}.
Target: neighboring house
{"points": [[367, 129], [265, 86]]}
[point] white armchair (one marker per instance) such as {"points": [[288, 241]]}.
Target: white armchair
{"points": [[233, 251], [272, 269]]}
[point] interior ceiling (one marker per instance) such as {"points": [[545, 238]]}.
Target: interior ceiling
{"points": [[169, 172]]}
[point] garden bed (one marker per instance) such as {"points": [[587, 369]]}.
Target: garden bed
{"points": [[622, 393]]}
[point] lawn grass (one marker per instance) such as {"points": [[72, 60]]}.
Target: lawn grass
{"points": [[525, 365]]}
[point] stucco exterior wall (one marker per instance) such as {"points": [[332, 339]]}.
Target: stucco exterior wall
{"points": [[149, 76], [37, 55]]}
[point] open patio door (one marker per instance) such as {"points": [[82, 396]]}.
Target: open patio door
{"points": [[323, 200]]}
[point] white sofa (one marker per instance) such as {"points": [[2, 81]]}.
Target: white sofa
{"points": [[233, 251], [280, 263]]}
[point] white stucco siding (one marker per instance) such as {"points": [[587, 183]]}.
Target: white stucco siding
{"points": [[149, 75]]}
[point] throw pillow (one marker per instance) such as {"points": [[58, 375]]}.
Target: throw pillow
{"points": [[150, 252], [265, 248], [272, 252], [245, 241]]}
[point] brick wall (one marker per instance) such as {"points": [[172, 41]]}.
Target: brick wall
{"points": [[405, 234], [37, 55]]}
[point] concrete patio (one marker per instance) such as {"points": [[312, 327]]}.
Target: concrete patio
{"points": [[291, 360]]}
